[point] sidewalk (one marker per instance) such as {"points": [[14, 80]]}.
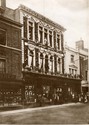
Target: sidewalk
{"points": [[37, 108]]}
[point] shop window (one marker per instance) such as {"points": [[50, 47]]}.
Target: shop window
{"points": [[31, 30], [72, 58], [50, 38], [2, 66], [29, 94], [2, 37], [40, 34]]}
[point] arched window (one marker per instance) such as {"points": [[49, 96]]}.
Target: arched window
{"points": [[37, 57], [55, 64], [31, 58], [59, 64], [46, 64], [51, 64], [41, 61]]}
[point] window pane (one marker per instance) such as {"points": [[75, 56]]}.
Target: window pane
{"points": [[72, 58], [30, 30], [2, 66], [2, 37]]}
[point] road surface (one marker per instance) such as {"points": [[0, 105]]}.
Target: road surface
{"points": [[62, 114]]}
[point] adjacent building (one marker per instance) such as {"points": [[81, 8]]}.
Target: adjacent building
{"points": [[10, 57], [72, 61], [83, 64]]}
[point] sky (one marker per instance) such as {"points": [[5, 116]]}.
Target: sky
{"points": [[71, 14]]}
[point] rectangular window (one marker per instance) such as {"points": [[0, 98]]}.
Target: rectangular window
{"points": [[2, 66], [73, 71], [45, 33], [40, 34], [69, 70], [86, 74], [45, 37], [50, 38], [31, 30], [37, 57], [2, 37], [58, 41], [76, 72], [72, 58]]}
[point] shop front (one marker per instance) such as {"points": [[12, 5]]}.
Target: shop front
{"points": [[10, 90], [55, 89]]}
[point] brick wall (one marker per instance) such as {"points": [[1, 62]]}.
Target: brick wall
{"points": [[13, 35], [12, 55]]}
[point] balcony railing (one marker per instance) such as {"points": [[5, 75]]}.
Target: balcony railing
{"points": [[41, 71]]}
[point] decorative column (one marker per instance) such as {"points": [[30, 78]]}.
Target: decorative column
{"points": [[34, 59], [60, 40], [53, 64]]}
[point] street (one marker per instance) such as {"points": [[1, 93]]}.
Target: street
{"points": [[75, 113]]}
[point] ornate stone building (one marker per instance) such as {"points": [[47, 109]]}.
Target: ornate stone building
{"points": [[43, 56]]}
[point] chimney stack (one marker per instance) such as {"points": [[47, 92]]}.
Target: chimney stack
{"points": [[2, 6]]}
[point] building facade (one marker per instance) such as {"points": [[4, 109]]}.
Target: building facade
{"points": [[43, 57], [83, 64], [10, 57], [35, 54], [72, 62]]}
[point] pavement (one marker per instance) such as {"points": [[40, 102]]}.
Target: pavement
{"points": [[36, 108]]}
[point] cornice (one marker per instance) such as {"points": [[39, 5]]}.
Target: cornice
{"points": [[2, 18], [41, 17]]}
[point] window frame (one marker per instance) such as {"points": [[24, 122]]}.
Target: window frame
{"points": [[40, 31], [3, 60], [5, 36], [51, 36], [58, 41], [72, 58], [32, 31]]}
